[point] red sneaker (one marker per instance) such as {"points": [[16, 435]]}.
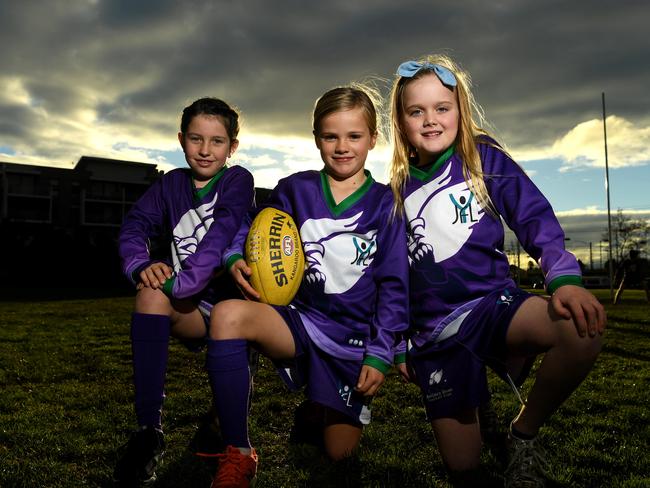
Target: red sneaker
{"points": [[236, 470]]}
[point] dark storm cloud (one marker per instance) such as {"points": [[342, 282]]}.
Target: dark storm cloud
{"points": [[14, 122], [554, 59], [54, 97], [538, 67], [120, 13]]}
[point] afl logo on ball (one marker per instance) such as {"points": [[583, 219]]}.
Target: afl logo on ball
{"points": [[287, 245]]}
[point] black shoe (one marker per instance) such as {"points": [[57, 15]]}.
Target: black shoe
{"points": [[143, 453], [207, 440]]}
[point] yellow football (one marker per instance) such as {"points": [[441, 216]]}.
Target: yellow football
{"points": [[274, 254]]}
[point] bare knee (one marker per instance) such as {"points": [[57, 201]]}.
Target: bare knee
{"points": [[459, 441], [341, 441], [152, 301], [584, 349], [226, 319]]}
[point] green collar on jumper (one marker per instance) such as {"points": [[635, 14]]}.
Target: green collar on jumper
{"points": [[350, 200], [421, 175], [199, 193]]}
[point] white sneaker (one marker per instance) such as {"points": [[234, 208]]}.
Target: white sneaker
{"points": [[527, 466]]}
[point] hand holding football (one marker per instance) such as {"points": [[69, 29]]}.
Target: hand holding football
{"points": [[275, 255]]}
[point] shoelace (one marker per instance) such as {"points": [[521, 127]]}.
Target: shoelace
{"points": [[232, 466]]}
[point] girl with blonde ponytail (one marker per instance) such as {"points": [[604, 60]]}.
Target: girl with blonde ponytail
{"points": [[454, 184]]}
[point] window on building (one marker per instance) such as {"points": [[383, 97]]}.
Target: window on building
{"points": [[22, 208]]}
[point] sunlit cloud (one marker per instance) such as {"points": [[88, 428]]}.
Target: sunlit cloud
{"points": [[628, 144], [583, 146], [14, 91], [576, 212], [259, 162], [268, 177]]}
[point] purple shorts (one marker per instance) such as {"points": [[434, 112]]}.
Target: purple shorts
{"points": [[221, 288], [451, 374], [329, 380]]}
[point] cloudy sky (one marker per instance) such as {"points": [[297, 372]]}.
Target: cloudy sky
{"points": [[110, 77]]}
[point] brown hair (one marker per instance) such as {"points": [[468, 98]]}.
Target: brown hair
{"points": [[346, 98], [214, 107]]}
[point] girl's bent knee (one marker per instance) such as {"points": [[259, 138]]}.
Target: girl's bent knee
{"points": [[586, 348], [341, 440], [593, 346], [225, 319], [152, 301]]}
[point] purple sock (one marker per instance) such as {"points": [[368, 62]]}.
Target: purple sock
{"points": [[150, 345], [230, 380]]}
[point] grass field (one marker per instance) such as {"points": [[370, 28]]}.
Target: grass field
{"points": [[66, 407]]}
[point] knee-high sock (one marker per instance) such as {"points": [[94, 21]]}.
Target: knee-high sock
{"points": [[150, 345], [230, 380]]}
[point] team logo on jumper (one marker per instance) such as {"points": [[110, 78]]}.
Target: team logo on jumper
{"points": [[364, 249], [339, 259], [441, 218], [189, 231], [463, 208]]}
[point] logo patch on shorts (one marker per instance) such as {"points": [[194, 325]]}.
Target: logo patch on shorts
{"points": [[346, 395], [505, 298], [437, 391], [435, 377]]}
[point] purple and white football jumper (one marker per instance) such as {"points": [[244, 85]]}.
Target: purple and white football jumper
{"points": [[456, 249], [352, 300], [462, 297], [202, 223]]}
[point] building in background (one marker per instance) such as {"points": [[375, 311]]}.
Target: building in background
{"points": [[96, 192], [59, 226]]}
